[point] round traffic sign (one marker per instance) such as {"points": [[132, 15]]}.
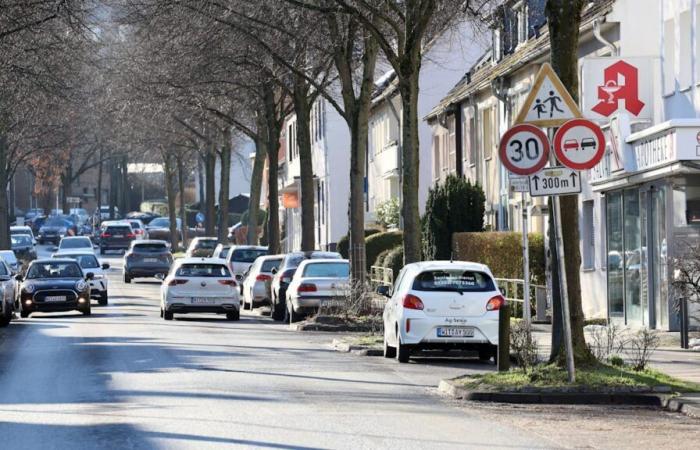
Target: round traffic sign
{"points": [[524, 149], [579, 144]]}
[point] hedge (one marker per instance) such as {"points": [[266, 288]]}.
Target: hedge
{"points": [[380, 258], [394, 260], [344, 242], [502, 252], [379, 242]]}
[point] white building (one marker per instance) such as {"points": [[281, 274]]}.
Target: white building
{"points": [[241, 169]]}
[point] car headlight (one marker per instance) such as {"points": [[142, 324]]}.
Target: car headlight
{"points": [[28, 288], [81, 285]]}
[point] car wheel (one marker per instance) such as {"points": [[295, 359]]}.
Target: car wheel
{"points": [[87, 311], [127, 279], [168, 315], [389, 351], [233, 315], [403, 352], [104, 299], [24, 314]]}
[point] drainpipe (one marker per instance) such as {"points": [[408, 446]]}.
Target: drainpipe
{"points": [[596, 32], [500, 91]]}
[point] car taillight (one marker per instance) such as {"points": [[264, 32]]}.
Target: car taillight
{"points": [[412, 302], [227, 282], [307, 287], [176, 281], [495, 303], [263, 277], [130, 235], [105, 235]]}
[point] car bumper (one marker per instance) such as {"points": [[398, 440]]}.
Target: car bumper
{"points": [[79, 304], [184, 305], [313, 302], [423, 330], [115, 245], [146, 271]]}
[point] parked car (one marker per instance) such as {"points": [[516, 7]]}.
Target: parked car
{"points": [[221, 251], [73, 243], [257, 282], [441, 305], [317, 282], [23, 229], [283, 276], [35, 224], [147, 259], [33, 212], [23, 247], [159, 229], [241, 257], [116, 236], [199, 285], [138, 227], [202, 247], [53, 285], [54, 229], [11, 259], [144, 217], [99, 284], [9, 293]]}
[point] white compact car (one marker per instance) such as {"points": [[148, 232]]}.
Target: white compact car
{"points": [[441, 305], [23, 229], [8, 293], [75, 243], [241, 257], [258, 280], [202, 247], [99, 284], [199, 285], [315, 283]]}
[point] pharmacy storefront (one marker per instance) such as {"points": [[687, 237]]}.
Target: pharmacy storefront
{"points": [[650, 183]]}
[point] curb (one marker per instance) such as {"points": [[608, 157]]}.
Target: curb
{"points": [[361, 350], [691, 409]]}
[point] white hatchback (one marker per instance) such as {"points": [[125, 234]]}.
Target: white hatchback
{"points": [[71, 244], [441, 305], [199, 285], [257, 281]]}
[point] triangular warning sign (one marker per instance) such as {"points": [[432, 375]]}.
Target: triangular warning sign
{"points": [[548, 104]]}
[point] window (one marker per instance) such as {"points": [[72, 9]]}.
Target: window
{"points": [[452, 146], [669, 57], [436, 157], [247, 255], [684, 77], [203, 270], [453, 280], [521, 12], [270, 264], [150, 248], [327, 270], [472, 138], [488, 131], [588, 235]]}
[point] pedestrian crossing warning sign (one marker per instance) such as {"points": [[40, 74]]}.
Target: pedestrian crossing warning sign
{"points": [[548, 104]]}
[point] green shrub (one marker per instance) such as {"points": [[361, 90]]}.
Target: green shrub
{"points": [[454, 206], [344, 242], [262, 216], [387, 213], [502, 252], [379, 242], [380, 259], [394, 260]]}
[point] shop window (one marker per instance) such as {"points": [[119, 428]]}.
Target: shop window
{"points": [[615, 262], [633, 256], [588, 235]]}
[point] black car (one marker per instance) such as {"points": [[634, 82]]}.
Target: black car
{"points": [[23, 246], [283, 276], [53, 230], [146, 259], [53, 285], [116, 236]]}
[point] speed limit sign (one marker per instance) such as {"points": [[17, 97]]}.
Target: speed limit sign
{"points": [[524, 149]]}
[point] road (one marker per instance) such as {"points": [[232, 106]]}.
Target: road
{"points": [[124, 378]]}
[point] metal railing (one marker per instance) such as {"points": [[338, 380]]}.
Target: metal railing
{"points": [[381, 276], [513, 291]]}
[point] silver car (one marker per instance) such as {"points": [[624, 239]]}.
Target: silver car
{"points": [[257, 282], [316, 283]]}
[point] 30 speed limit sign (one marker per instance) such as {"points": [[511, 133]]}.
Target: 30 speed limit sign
{"points": [[524, 149]]}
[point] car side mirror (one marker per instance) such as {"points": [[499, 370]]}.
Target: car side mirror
{"points": [[273, 271], [105, 266], [384, 290], [19, 277], [89, 276], [160, 276]]}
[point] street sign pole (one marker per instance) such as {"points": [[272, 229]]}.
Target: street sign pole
{"points": [[526, 263]]}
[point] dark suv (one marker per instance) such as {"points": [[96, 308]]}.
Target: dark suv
{"points": [[283, 276], [116, 237], [147, 259]]}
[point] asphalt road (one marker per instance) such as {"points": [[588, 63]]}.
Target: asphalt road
{"points": [[124, 378]]}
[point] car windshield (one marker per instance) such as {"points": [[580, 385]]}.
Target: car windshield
{"points": [[247, 255], [453, 280], [208, 243], [55, 223], [327, 270], [85, 261], [202, 270], [162, 222], [54, 270], [76, 243], [21, 240], [150, 248], [270, 264], [224, 252]]}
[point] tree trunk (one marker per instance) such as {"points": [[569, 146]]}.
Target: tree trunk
{"points": [[66, 177], [256, 185], [181, 189], [113, 187], [99, 188], [302, 108], [224, 188], [171, 194], [410, 154], [4, 217], [564, 19], [124, 198], [210, 191], [273, 125], [358, 158]]}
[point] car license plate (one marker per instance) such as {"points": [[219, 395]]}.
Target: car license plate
{"points": [[118, 236], [202, 300], [150, 259], [455, 332], [55, 298], [332, 303]]}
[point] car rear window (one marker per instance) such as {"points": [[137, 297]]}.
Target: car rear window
{"points": [[202, 270], [270, 264], [206, 244], [327, 270], [76, 243], [118, 230], [453, 280], [84, 261], [149, 248], [247, 255], [21, 239]]}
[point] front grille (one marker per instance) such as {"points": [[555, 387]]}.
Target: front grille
{"points": [[40, 296]]}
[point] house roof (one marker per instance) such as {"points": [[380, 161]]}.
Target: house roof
{"points": [[482, 73]]}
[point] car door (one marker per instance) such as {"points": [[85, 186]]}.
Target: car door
{"points": [[391, 307]]}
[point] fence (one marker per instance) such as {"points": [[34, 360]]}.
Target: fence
{"points": [[513, 291], [379, 276]]}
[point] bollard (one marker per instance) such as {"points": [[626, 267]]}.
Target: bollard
{"points": [[503, 356]]}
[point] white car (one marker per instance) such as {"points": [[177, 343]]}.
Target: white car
{"points": [[75, 243], [199, 285], [441, 305], [202, 247], [221, 251], [258, 280], [241, 257], [8, 285], [99, 284], [23, 229], [317, 282], [138, 227], [11, 259]]}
